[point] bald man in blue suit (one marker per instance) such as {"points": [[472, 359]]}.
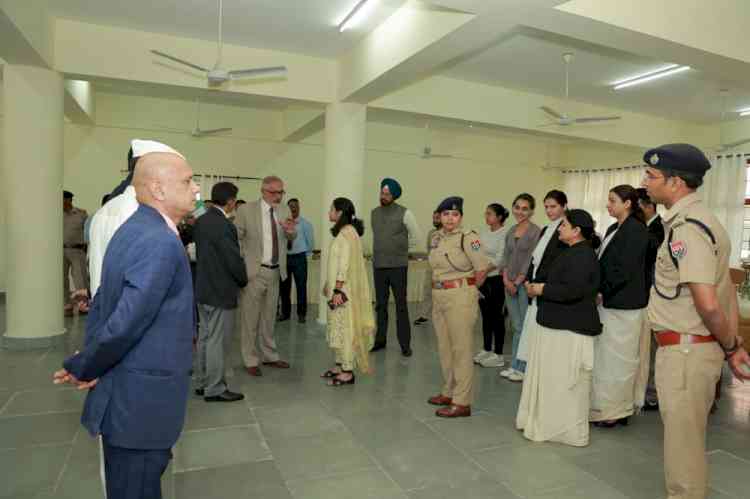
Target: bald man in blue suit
{"points": [[138, 347]]}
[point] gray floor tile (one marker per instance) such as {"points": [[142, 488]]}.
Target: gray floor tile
{"points": [[28, 471], [583, 489], [617, 470], [219, 447], [728, 474], [44, 401], [480, 431], [485, 487], [261, 479], [529, 469], [203, 415], [366, 484], [4, 398], [297, 420], [426, 462], [80, 478], [319, 455], [23, 431]]}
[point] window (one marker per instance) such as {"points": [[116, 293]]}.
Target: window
{"points": [[745, 255]]}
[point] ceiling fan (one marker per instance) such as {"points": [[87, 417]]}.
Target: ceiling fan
{"points": [[722, 147], [198, 131], [218, 75], [562, 119], [427, 149]]}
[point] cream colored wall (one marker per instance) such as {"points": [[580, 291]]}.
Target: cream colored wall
{"points": [[596, 155], [3, 237]]}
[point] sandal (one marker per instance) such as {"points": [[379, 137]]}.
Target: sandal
{"points": [[340, 382]]}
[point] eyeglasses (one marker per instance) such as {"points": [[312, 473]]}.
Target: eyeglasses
{"points": [[650, 176], [282, 192]]}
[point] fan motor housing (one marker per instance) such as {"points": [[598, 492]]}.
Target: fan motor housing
{"points": [[218, 76]]}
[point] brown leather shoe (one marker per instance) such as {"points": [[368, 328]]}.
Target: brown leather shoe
{"points": [[440, 400], [454, 411], [279, 364], [254, 371]]}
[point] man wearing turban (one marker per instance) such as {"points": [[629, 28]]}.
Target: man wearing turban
{"points": [[395, 232]]}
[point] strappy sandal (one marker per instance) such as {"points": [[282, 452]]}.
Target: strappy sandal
{"points": [[341, 382], [330, 374]]}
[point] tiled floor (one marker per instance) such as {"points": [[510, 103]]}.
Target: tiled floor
{"points": [[293, 437]]}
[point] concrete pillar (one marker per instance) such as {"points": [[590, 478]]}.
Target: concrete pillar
{"points": [[33, 175], [345, 133]]}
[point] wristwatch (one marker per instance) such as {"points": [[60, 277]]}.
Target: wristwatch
{"points": [[738, 341]]}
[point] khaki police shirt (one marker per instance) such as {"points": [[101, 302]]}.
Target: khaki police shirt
{"points": [[449, 261], [73, 226], [700, 262]]}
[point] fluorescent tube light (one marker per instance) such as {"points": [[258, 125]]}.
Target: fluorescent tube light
{"points": [[355, 16], [654, 75], [745, 113]]}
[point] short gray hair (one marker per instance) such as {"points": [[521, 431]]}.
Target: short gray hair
{"points": [[271, 179]]}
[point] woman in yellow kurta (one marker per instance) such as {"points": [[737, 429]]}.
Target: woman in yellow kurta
{"points": [[351, 323]]}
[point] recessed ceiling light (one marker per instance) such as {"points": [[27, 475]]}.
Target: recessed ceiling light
{"points": [[356, 15], [652, 75]]}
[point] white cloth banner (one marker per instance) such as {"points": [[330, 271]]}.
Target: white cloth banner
{"points": [[589, 190], [723, 191]]}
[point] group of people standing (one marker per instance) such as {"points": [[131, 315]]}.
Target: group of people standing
{"points": [[581, 306]]}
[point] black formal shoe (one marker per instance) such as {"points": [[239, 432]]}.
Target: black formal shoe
{"points": [[406, 352], [301, 320], [420, 321], [282, 318], [199, 392], [227, 396], [377, 346], [613, 423]]}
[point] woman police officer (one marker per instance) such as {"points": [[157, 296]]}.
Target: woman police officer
{"points": [[459, 267]]}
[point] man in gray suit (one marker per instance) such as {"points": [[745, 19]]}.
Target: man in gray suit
{"points": [[263, 227]]}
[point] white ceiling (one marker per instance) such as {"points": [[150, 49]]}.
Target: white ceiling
{"points": [[300, 26], [532, 60]]}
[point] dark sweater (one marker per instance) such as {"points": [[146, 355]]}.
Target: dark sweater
{"points": [[655, 238], [623, 267], [568, 301]]}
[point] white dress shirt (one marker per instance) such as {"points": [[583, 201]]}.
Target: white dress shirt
{"points": [[267, 235], [415, 235], [105, 223]]}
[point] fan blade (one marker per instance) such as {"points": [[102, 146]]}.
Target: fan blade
{"points": [[597, 118], [735, 144], [271, 72], [552, 112], [179, 61], [199, 132]]}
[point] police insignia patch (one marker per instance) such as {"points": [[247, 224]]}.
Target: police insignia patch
{"points": [[654, 159], [475, 245], [678, 249]]}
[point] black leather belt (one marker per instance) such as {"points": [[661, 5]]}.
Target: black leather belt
{"points": [[74, 246], [302, 253], [272, 267]]}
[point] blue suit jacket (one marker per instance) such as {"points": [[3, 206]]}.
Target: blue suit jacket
{"points": [[139, 338]]}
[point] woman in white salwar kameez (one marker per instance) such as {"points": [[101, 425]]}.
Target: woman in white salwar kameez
{"points": [[555, 398], [619, 382]]}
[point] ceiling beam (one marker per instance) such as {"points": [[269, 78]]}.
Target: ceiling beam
{"points": [[302, 123], [25, 33], [80, 103]]}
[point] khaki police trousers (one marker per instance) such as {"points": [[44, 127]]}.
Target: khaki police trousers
{"points": [[686, 377], [454, 314], [74, 264]]}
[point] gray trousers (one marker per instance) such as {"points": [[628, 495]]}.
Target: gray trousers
{"points": [[259, 301], [216, 328]]}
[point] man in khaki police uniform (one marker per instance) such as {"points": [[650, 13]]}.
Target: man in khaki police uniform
{"points": [[459, 267], [74, 250], [693, 311]]}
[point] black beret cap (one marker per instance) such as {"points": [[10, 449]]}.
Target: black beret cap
{"points": [[680, 157], [452, 203], [67, 195]]}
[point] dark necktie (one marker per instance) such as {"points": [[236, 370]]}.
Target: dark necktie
{"points": [[275, 240]]}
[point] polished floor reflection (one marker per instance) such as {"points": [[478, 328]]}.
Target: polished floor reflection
{"points": [[293, 437]]}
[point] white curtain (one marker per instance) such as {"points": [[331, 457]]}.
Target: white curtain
{"points": [[589, 190], [724, 191]]}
